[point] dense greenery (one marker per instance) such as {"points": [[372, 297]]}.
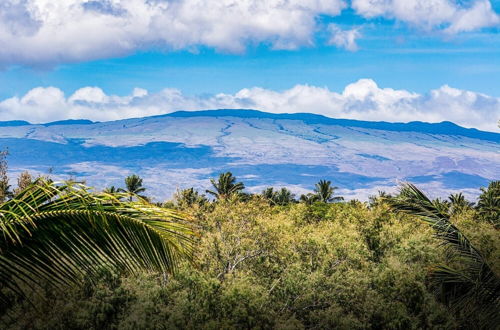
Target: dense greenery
{"points": [[270, 261], [57, 234]]}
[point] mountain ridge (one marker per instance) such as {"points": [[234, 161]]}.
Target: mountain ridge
{"points": [[444, 127], [261, 149]]}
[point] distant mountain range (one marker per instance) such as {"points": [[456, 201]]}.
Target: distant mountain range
{"points": [[184, 149]]}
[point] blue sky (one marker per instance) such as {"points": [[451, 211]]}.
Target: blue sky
{"points": [[86, 56]]}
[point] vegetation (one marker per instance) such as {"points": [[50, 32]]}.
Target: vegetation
{"points": [[473, 289], [134, 188], [4, 179], [23, 181], [324, 192], [258, 261], [58, 234], [225, 187], [280, 197], [488, 204]]}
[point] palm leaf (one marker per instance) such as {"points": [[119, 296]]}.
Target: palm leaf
{"points": [[472, 289], [58, 233]]}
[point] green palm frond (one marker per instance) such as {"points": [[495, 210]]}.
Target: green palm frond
{"points": [[57, 233], [473, 289]]}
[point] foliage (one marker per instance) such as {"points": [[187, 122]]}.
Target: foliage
{"points": [[280, 197], [23, 181], [4, 179], [225, 186], [324, 190], [134, 188], [189, 197], [58, 234], [488, 204], [303, 265], [470, 286], [458, 204], [112, 190], [308, 198]]}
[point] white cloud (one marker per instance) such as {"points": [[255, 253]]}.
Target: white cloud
{"points": [[362, 100], [451, 15], [45, 32], [343, 38]]}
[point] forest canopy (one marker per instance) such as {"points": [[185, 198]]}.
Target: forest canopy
{"points": [[272, 260]]}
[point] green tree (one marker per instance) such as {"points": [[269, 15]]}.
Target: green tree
{"points": [[467, 283], [225, 186], [111, 190], [61, 233], [309, 198], [280, 197], [133, 184], [325, 191], [189, 197], [488, 204], [458, 203], [4, 179]]}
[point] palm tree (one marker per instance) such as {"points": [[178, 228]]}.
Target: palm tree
{"points": [[284, 197], [280, 197], [133, 184], [59, 233], [488, 204], [225, 186], [458, 203], [324, 190], [111, 190], [268, 193], [473, 289], [190, 197], [309, 198]]}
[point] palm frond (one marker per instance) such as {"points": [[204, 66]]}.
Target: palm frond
{"points": [[58, 233], [474, 288]]}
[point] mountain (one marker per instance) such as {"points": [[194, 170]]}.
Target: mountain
{"points": [[184, 149]]}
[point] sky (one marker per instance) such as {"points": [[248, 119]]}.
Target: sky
{"points": [[390, 60]]}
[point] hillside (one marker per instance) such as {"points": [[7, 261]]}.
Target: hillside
{"points": [[184, 149]]}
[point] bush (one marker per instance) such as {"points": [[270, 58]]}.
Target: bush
{"points": [[299, 266]]}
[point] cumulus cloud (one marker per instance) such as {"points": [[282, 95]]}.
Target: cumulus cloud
{"points": [[40, 31], [363, 100], [343, 38], [452, 16]]}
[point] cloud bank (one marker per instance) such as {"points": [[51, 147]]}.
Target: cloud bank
{"points": [[41, 32], [362, 100], [450, 16]]}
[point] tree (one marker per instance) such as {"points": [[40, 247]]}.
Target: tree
{"points": [[23, 181], [280, 197], [470, 286], [61, 233], [189, 197], [133, 184], [458, 203], [488, 204], [309, 198], [324, 191], [225, 186], [111, 190], [4, 179]]}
